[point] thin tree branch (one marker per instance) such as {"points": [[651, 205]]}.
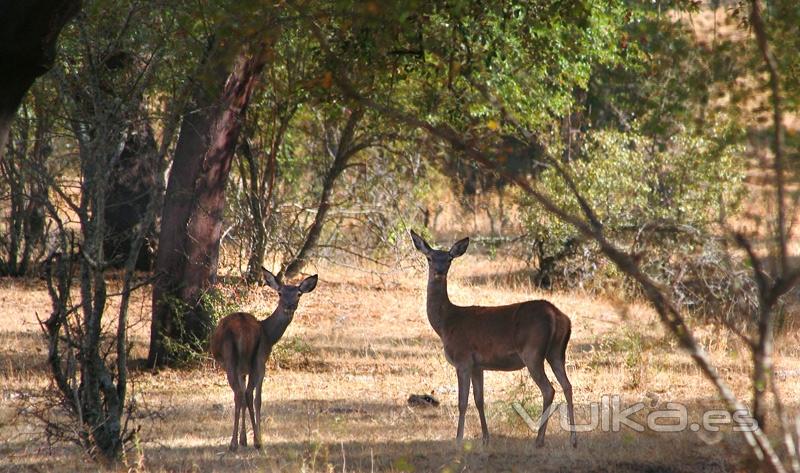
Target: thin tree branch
{"points": [[667, 311]]}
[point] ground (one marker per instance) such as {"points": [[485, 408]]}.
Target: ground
{"points": [[336, 389]]}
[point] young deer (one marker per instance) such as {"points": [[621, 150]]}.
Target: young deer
{"points": [[242, 344], [503, 338]]}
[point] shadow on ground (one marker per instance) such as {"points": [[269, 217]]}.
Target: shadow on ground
{"points": [[504, 454], [315, 422]]}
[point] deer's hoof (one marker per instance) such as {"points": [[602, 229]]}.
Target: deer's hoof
{"points": [[233, 447]]}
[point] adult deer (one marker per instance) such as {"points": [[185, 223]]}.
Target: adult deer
{"points": [[502, 338], [241, 344]]}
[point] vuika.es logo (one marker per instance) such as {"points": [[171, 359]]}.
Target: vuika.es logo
{"points": [[608, 415]]}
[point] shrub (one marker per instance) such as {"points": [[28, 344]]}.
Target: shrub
{"points": [[662, 198], [218, 302]]}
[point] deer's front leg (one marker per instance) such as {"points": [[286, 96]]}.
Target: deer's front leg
{"points": [[463, 398], [477, 391], [259, 381]]}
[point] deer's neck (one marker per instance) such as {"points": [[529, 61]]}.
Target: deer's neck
{"points": [[438, 304], [275, 325]]}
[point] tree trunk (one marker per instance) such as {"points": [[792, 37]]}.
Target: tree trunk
{"points": [[315, 230], [28, 34], [191, 224]]}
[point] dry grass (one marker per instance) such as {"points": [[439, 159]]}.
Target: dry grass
{"points": [[335, 394], [358, 347]]}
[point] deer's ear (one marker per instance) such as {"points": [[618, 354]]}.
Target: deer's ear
{"points": [[270, 279], [420, 244], [308, 284], [459, 248]]}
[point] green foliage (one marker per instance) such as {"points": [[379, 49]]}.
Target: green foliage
{"points": [[626, 348], [530, 56], [663, 79], [632, 182], [527, 394], [185, 349], [220, 303]]}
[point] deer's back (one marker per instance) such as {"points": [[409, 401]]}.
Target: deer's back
{"points": [[483, 333], [239, 334]]}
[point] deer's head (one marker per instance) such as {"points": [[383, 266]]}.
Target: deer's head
{"points": [[439, 260], [290, 295]]}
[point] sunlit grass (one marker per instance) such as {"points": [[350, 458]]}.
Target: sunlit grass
{"points": [[335, 394]]}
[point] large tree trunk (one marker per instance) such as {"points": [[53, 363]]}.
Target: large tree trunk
{"points": [[191, 223], [28, 34]]}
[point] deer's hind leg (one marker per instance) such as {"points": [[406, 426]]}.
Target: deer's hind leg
{"points": [[246, 401], [259, 384], [238, 399], [248, 396], [558, 364], [254, 405], [534, 360]]}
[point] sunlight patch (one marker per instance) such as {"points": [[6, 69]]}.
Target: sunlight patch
{"points": [[192, 441]]}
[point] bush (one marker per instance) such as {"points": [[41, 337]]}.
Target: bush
{"points": [[706, 279], [663, 198], [217, 302]]}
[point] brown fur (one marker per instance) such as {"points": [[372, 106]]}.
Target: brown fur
{"points": [[508, 338], [239, 334], [241, 344], [482, 334], [501, 338]]}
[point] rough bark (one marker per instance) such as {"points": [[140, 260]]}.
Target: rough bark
{"points": [[191, 225], [28, 34]]}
